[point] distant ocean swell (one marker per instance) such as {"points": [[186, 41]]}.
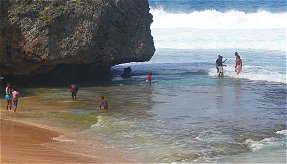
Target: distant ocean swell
{"points": [[211, 29], [212, 19]]}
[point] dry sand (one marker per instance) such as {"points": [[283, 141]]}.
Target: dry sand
{"points": [[23, 143]]}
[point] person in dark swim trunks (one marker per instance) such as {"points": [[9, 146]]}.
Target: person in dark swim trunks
{"points": [[127, 72], [219, 66], [74, 90]]}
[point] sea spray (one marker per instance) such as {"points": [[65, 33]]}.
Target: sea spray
{"points": [[211, 29], [212, 19], [282, 132], [256, 145]]}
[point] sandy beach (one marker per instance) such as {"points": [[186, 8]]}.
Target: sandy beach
{"points": [[24, 143]]}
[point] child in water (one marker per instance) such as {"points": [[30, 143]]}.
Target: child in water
{"points": [[148, 78], [104, 103], [74, 90], [15, 96]]}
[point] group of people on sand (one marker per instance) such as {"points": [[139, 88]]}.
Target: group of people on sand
{"points": [[74, 90], [11, 95], [219, 65]]}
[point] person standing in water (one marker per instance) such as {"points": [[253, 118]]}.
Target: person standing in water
{"points": [[127, 72], [15, 96], [238, 63], [104, 103], [8, 96], [148, 78], [74, 90], [219, 66]]}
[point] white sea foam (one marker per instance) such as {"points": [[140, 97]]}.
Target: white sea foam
{"points": [[280, 78], [62, 138], [253, 75], [256, 145], [212, 19], [94, 125], [283, 132], [99, 122]]}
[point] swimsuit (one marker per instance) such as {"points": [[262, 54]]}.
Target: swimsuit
{"points": [[219, 65], [7, 97], [8, 94], [74, 89], [148, 78], [220, 69]]}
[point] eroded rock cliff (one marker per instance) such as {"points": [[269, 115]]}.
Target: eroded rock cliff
{"points": [[72, 39]]}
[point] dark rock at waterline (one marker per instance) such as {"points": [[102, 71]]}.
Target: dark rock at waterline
{"points": [[72, 39], [63, 75]]}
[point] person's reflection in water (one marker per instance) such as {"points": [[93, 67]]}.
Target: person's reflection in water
{"points": [[237, 90], [149, 96], [219, 93]]}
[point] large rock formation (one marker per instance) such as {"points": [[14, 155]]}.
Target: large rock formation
{"points": [[72, 39]]}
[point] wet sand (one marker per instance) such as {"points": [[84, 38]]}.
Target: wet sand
{"points": [[23, 143]]}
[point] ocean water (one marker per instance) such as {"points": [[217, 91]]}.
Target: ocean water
{"points": [[196, 117], [187, 114]]}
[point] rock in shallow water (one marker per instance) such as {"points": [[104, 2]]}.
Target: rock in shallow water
{"points": [[72, 39]]}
